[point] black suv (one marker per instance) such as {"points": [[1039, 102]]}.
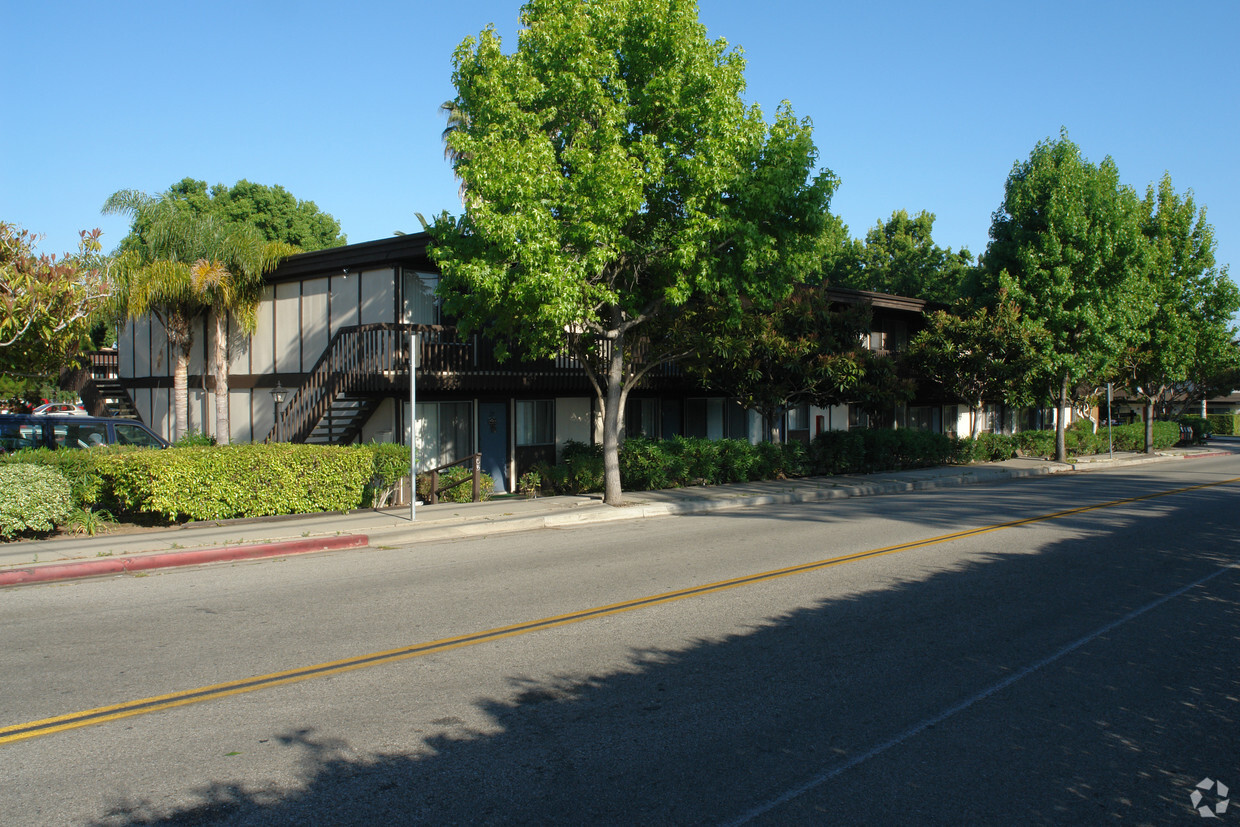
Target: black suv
{"points": [[19, 431]]}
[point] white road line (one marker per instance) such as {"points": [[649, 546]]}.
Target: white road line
{"points": [[918, 728]]}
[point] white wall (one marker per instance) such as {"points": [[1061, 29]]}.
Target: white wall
{"points": [[142, 348], [314, 321], [343, 301], [262, 341], [287, 323], [381, 427]]}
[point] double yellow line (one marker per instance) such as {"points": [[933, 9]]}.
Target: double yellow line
{"points": [[103, 714]]}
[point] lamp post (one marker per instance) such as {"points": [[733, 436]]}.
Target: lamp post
{"points": [[277, 395]]}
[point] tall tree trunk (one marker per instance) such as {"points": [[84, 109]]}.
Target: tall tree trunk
{"points": [[772, 425], [613, 420], [1149, 427], [222, 424], [180, 393], [1061, 423]]}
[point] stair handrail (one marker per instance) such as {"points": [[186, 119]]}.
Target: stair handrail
{"points": [[476, 477], [353, 356]]}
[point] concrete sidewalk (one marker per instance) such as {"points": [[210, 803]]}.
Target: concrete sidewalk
{"points": [[230, 540]]}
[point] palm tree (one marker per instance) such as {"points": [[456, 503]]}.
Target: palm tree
{"points": [[154, 278], [183, 266], [230, 282], [458, 121]]}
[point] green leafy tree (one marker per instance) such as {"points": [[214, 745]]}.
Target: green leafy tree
{"points": [[185, 265], [899, 256], [977, 355], [801, 351], [273, 211], [613, 173], [1067, 245], [48, 307], [1189, 335]]}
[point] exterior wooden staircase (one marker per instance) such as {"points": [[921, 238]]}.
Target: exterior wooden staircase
{"points": [[97, 384], [360, 366]]}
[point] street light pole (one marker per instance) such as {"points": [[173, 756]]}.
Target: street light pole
{"points": [[415, 345]]}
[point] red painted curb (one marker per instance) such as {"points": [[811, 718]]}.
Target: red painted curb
{"points": [[120, 565]]}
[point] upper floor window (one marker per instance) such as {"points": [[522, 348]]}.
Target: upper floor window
{"points": [[419, 302]]}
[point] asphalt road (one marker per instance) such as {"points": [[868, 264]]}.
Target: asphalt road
{"points": [[875, 661]]}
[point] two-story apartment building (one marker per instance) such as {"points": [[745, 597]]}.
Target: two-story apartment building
{"points": [[333, 342]]}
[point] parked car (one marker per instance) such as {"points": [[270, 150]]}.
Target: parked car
{"points": [[64, 408], [19, 431]]}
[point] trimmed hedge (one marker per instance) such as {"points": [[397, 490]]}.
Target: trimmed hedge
{"points": [[1224, 424], [86, 471], [865, 450], [33, 499], [650, 464], [242, 480]]}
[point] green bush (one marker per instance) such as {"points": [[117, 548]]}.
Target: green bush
{"points": [[1224, 424], [195, 439], [463, 493], [866, 450], [391, 465], [1036, 443], [33, 498], [241, 480], [86, 471]]}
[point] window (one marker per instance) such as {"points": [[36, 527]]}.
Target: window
{"points": [[445, 433], [535, 422], [419, 303], [641, 417], [925, 418], [127, 434], [81, 436], [798, 418]]}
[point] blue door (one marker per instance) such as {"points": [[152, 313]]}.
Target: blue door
{"points": [[493, 442]]}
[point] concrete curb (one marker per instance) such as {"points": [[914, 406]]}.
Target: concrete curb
{"points": [[806, 491], [168, 559]]}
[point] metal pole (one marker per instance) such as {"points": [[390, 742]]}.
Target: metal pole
{"points": [[1110, 441], [414, 341]]}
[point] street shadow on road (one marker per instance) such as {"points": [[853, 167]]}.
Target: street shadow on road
{"points": [[1119, 729]]}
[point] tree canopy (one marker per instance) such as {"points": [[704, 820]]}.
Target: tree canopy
{"points": [[48, 304], [273, 211], [899, 256], [184, 264], [1068, 247], [1188, 335], [612, 173]]}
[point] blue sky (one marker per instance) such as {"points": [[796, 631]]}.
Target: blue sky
{"points": [[915, 105]]}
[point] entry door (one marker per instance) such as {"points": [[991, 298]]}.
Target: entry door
{"points": [[493, 442]]}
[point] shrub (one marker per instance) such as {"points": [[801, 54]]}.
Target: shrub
{"points": [[241, 480], [33, 498], [864, 450], [1036, 443], [86, 471], [390, 466], [837, 452], [195, 439], [1224, 424]]}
